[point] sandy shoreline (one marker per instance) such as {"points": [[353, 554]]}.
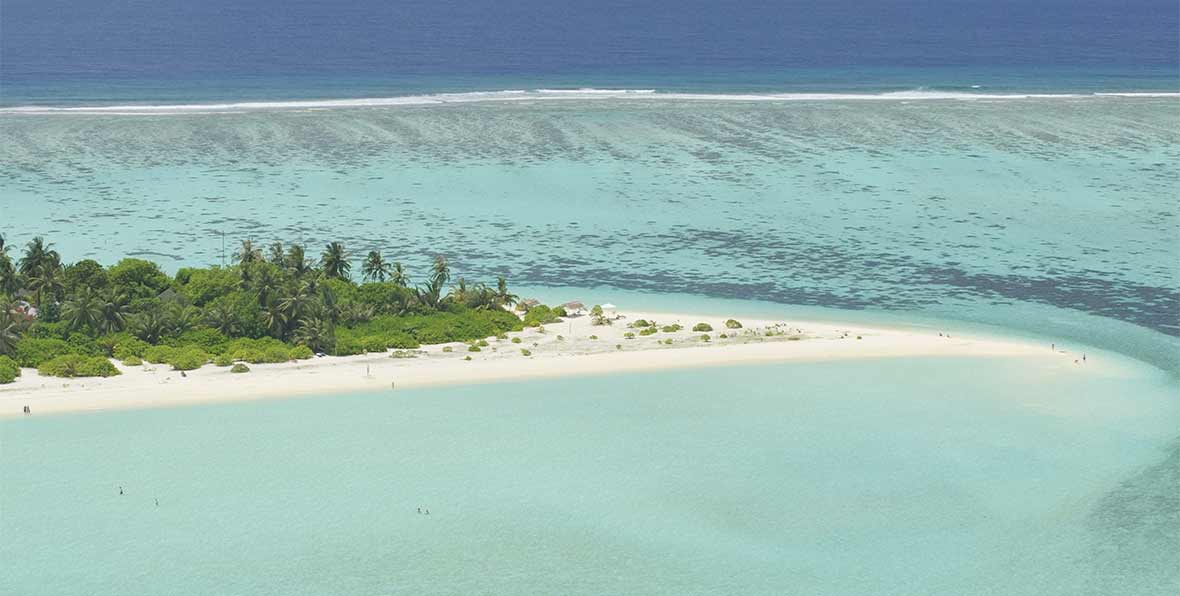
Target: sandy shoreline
{"points": [[562, 349]]}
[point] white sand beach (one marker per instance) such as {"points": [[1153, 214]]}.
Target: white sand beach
{"points": [[572, 347]]}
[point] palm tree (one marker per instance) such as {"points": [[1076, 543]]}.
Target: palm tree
{"points": [[353, 313], [83, 311], [10, 280], [335, 261], [375, 267], [149, 325], [295, 304], [10, 330], [248, 253], [38, 256], [296, 260], [40, 267], [114, 312], [440, 272], [398, 276], [328, 307], [482, 298], [222, 318], [315, 333], [44, 280], [181, 318], [459, 292], [266, 284], [277, 256], [503, 296], [276, 320], [430, 295]]}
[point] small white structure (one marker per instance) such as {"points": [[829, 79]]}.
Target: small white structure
{"points": [[24, 310]]}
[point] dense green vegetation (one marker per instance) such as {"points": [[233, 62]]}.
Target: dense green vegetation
{"points": [[9, 371], [271, 306]]}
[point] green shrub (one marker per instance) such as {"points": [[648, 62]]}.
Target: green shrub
{"points": [[559, 311], [637, 323], [301, 353], [540, 315], [240, 368], [483, 343], [593, 337], [132, 361], [9, 371], [467, 357], [673, 328], [405, 354], [401, 341], [473, 348], [525, 352], [261, 350], [702, 327], [348, 346], [373, 344], [223, 360], [275, 354], [733, 324], [75, 365], [123, 345], [618, 346], [448, 349], [190, 358], [210, 341], [648, 331], [516, 340], [159, 354], [31, 352], [705, 337], [628, 335], [668, 341]]}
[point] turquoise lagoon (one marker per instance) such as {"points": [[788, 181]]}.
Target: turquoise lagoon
{"points": [[919, 476], [1050, 218]]}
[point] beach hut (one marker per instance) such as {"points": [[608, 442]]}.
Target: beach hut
{"points": [[169, 295], [608, 310], [526, 304], [574, 307]]}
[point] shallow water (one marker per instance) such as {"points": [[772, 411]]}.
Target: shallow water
{"points": [[881, 477], [1056, 216]]}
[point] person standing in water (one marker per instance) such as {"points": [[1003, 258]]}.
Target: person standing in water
{"points": [[120, 490]]}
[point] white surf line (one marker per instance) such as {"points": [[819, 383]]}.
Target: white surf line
{"points": [[556, 95]]}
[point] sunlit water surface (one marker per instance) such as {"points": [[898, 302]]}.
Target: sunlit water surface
{"points": [[924, 476]]}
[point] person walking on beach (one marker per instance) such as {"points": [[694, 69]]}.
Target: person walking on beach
{"points": [[120, 490]]}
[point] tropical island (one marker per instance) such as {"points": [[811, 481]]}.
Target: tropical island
{"points": [[118, 333]]}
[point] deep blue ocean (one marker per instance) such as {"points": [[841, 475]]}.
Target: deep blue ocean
{"points": [[93, 52]]}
